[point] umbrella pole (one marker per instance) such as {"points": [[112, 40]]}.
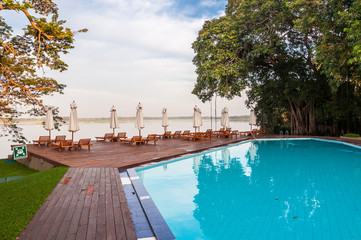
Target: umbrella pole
{"points": [[50, 134], [72, 136], [140, 132], [165, 129]]}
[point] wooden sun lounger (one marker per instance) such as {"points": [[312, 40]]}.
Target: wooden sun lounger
{"points": [[42, 140], [167, 134], [84, 142], [194, 136], [186, 132], [234, 133], [135, 139], [59, 138], [177, 134], [108, 136], [219, 133], [149, 138], [121, 135], [227, 134], [208, 134], [63, 144], [244, 133]]}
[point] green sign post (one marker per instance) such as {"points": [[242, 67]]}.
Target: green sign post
{"points": [[20, 152]]}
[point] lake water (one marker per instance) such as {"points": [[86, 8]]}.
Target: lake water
{"points": [[92, 130]]}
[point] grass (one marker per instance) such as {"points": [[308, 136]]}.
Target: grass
{"points": [[14, 169], [20, 199], [352, 135]]}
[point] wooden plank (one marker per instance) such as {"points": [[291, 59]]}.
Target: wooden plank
{"points": [[33, 226], [50, 213], [101, 228], [109, 212], [58, 222], [89, 207], [93, 212], [78, 209], [127, 217], [118, 217]]}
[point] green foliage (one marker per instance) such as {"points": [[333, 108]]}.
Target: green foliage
{"points": [[294, 57], [22, 198], [43, 42], [354, 135]]}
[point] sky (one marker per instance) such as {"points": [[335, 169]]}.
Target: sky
{"points": [[134, 51]]}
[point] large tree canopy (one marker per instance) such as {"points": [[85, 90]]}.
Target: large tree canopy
{"points": [[296, 58], [41, 45]]}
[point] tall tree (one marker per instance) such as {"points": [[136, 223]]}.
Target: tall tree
{"points": [[41, 45], [279, 50]]}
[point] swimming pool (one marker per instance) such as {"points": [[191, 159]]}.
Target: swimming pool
{"points": [[299, 189]]}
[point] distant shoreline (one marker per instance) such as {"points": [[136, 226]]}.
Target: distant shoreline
{"points": [[126, 119]]}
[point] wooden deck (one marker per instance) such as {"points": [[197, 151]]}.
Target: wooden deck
{"points": [[122, 156], [88, 203]]}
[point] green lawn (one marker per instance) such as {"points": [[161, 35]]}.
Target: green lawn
{"points": [[20, 199], [14, 169]]}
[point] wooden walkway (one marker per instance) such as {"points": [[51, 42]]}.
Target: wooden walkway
{"points": [[88, 203]]}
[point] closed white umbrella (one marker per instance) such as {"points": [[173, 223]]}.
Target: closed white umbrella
{"points": [[252, 119], [165, 119], [139, 122], [73, 120], [197, 118], [225, 118], [114, 123], [49, 121]]}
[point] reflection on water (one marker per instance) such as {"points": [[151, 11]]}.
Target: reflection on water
{"points": [[262, 190]]}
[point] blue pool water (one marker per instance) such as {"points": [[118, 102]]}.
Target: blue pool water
{"points": [[299, 189]]}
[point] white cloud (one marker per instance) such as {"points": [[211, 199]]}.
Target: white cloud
{"points": [[209, 3], [137, 50]]}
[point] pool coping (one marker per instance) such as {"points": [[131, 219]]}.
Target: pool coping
{"points": [[155, 219]]}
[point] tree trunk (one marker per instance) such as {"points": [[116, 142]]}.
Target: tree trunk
{"points": [[312, 128]]}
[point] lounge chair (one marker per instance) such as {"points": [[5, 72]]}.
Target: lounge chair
{"points": [[121, 135], [227, 133], [219, 133], [42, 140], [135, 139], [167, 134], [63, 144], [59, 138], [84, 142], [186, 132], [177, 134], [208, 134], [194, 136], [149, 138], [261, 131], [244, 133], [109, 136], [234, 133]]}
